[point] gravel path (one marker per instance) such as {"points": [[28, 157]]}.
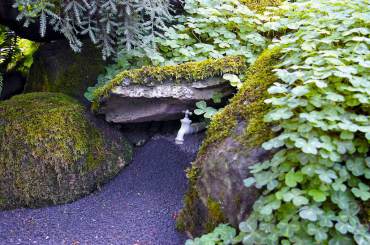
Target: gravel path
{"points": [[136, 208]]}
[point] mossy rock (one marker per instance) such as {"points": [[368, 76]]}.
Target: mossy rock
{"points": [[260, 5], [186, 73], [52, 151], [56, 68], [232, 145]]}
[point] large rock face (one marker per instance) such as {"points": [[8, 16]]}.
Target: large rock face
{"points": [[52, 151], [163, 93], [56, 68], [232, 145]]}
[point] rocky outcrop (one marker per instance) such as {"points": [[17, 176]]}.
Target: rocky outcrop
{"points": [[232, 145], [56, 68], [163, 93], [52, 151]]}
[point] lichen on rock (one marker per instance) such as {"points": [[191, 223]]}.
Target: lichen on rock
{"points": [[232, 144], [52, 151]]}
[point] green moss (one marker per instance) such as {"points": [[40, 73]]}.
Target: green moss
{"points": [[189, 219], [49, 151], [260, 5], [188, 215], [186, 221], [248, 106], [187, 72], [214, 215], [35, 119]]}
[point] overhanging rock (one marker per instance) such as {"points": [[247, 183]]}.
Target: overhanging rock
{"points": [[163, 93], [138, 103]]}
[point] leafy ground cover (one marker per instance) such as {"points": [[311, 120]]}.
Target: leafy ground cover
{"points": [[317, 182]]}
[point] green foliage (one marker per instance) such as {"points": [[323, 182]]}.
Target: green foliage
{"points": [[203, 109], [208, 29], [223, 234], [316, 182], [108, 23], [234, 80], [23, 56], [211, 29], [207, 111], [15, 53]]}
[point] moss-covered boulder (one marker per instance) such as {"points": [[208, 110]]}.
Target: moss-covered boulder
{"points": [[232, 145], [56, 68], [52, 151]]}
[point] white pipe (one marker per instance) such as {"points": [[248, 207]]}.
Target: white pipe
{"points": [[188, 128]]}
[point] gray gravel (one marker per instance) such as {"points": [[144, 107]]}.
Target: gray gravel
{"points": [[137, 207]]}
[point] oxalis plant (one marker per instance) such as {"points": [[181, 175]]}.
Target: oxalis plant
{"points": [[111, 24], [315, 185], [211, 29], [208, 111]]}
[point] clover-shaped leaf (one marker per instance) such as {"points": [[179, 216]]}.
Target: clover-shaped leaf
{"points": [[203, 109], [217, 97], [362, 191], [317, 195], [310, 213], [233, 79], [326, 176], [249, 181], [293, 178]]}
